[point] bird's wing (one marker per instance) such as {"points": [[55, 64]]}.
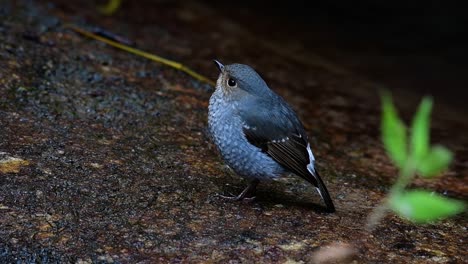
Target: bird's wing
{"points": [[277, 131]]}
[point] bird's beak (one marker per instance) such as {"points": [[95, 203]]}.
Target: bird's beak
{"points": [[219, 65]]}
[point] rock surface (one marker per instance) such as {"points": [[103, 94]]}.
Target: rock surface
{"points": [[116, 166]]}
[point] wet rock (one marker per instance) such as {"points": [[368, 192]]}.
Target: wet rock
{"points": [[115, 165]]}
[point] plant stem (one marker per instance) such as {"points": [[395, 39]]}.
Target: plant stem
{"points": [[156, 58], [376, 215], [405, 176]]}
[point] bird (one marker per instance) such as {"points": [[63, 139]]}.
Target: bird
{"points": [[257, 132]]}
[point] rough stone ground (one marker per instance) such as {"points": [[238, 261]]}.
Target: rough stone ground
{"points": [[116, 165]]}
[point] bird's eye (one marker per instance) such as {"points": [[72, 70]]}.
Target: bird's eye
{"points": [[231, 82]]}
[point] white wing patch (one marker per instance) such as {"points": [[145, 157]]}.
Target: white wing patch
{"points": [[310, 166]]}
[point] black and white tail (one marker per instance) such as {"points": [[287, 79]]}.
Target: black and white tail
{"points": [[322, 190]]}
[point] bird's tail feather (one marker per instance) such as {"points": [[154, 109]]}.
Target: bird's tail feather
{"points": [[322, 190], [324, 193]]}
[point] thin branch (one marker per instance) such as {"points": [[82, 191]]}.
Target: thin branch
{"points": [[170, 63]]}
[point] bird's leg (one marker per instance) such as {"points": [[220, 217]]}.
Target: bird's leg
{"points": [[247, 194]]}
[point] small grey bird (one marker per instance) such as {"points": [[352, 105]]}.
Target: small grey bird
{"points": [[257, 133]]}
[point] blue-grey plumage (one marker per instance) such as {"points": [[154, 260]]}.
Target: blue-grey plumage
{"points": [[257, 133]]}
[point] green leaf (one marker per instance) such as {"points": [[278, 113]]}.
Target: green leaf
{"points": [[420, 130], [435, 162], [393, 132], [110, 7], [422, 207]]}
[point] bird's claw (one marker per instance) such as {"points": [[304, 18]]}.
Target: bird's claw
{"points": [[240, 197]]}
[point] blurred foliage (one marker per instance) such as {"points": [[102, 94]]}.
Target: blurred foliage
{"points": [[421, 206], [111, 7], [415, 157]]}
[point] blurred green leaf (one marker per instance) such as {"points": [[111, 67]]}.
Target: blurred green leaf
{"points": [[393, 132], [421, 206], [435, 162], [420, 130], [111, 7]]}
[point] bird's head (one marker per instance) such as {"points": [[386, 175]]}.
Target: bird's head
{"points": [[236, 79]]}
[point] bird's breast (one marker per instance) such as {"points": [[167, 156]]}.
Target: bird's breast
{"points": [[225, 126]]}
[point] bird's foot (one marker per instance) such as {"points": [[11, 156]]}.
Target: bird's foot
{"points": [[248, 194], [236, 198]]}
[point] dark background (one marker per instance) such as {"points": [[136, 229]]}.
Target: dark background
{"points": [[414, 45]]}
